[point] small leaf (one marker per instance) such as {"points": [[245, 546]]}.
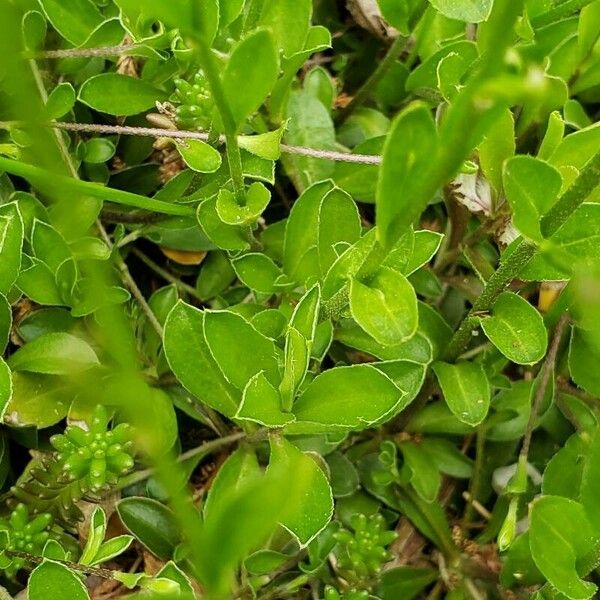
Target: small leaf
{"points": [[266, 145], [385, 307], [53, 581], [112, 548], [470, 11], [289, 20], [54, 354], [11, 242], [309, 514], [261, 403], [409, 150], [584, 357], [60, 101], [466, 390], [560, 535], [231, 213], [253, 67], [532, 187], [258, 272], [152, 523], [423, 474], [353, 397], [224, 236], [199, 156], [117, 94], [517, 329], [96, 534]]}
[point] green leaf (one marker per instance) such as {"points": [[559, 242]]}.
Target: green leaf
{"points": [[224, 236], [49, 246], [54, 581], [590, 481], [38, 400], [311, 512], [258, 272], [229, 11], [60, 101], [189, 357], [96, 534], [532, 187], [96, 151], [322, 220], [385, 307], [353, 397], [289, 20], [54, 354], [5, 322], [199, 156], [75, 20], [266, 145], [344, 477], [408, 154], [11, 242], [517, 329], [231, 213], [261, 403], [252, 67], [470, 11], [5, 387], [498, 146], [559, 536], [152, 523], [310, 126], [112, 548], [466, 390], [404, 582], [117, 94]]}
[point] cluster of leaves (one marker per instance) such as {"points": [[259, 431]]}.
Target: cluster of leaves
{"points": [[383, 287]]}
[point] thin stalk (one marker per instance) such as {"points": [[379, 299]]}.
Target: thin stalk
{"points": [[234, 157], [43, 178], [509, 270]]}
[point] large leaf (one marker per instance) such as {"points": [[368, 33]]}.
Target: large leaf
{"points": [[466, 390], [559, 536], [54, 354], [55, 581], [152, 523], [190, 359], [517, 329], [353, 397], [253, 68], [75, 20], [311, 512], [117, 94], [385, 306], [322, 220], [532, 187], [289, 20], [408, 154]]}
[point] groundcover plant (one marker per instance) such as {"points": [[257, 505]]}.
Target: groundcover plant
{"points": [[299, 299]]}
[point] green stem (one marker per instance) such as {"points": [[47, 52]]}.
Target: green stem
{"points": [[569, 202], [43, 178], [234, 157]]}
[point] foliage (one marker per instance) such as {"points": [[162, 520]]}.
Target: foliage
{"points": [[299, 299]]}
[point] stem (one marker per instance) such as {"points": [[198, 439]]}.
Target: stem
{"points": [[234, 157], [569, 202], [540, 392], [165, 274], [394, 51], [43, 178], [562, 10]]}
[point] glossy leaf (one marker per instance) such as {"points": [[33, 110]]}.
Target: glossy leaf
{"points": [[116, 94], [11, 242], [466, 390], [470, 11], [517, 329], [152, 523], [407, 155], [52, 581], [199, 156]]}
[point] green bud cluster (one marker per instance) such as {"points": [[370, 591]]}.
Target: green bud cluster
{"points": [[25, 534], [195, 103], [86, 462], [362, 553], [333, 594]]}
